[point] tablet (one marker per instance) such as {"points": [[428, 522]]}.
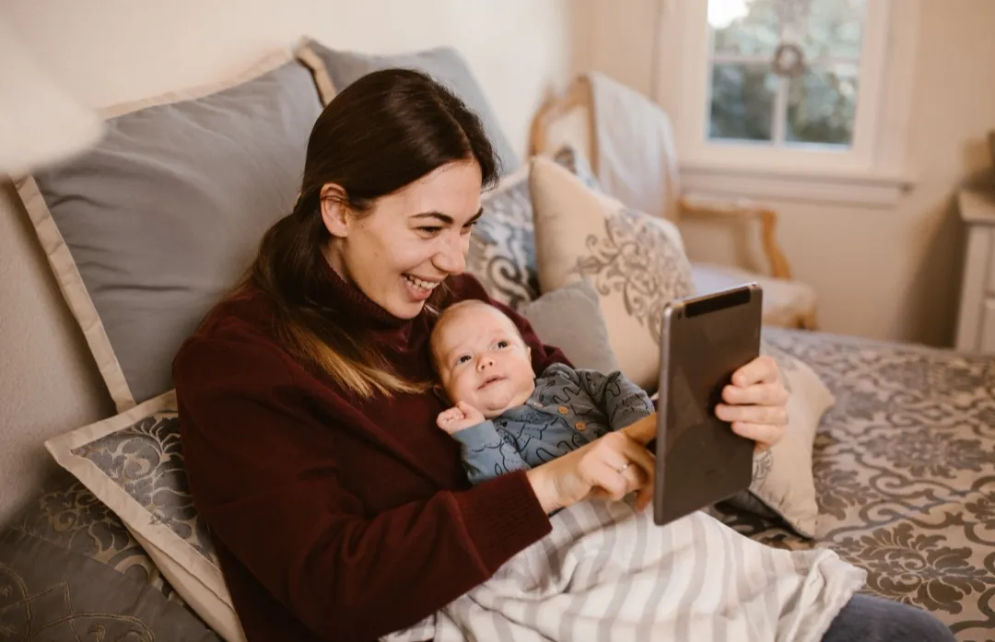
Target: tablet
{"points": [[699, 459]]}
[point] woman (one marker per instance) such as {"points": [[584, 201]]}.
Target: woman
{"points": [[338, 509]]}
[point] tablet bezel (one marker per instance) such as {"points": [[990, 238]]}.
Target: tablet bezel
{"points": [[717, 463]]}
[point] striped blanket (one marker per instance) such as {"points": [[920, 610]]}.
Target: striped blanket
{"points": [[607, 572]]}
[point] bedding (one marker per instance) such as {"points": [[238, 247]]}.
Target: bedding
{"points": [[904, 468], [607, 572]]}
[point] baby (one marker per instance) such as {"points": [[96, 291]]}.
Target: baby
{"points": [[504, 416]]}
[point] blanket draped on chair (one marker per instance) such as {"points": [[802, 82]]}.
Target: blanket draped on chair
{"points": [[607, 572], [636, 161]]}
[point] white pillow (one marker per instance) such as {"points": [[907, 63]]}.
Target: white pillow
{"points": [[635, 262]]}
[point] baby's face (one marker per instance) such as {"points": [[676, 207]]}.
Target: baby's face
{"points": [[482, 360]]}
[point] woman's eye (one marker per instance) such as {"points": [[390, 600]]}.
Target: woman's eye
{"points": [[430, 230]]}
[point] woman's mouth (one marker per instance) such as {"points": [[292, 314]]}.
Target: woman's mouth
{"points": [[420, 288]]}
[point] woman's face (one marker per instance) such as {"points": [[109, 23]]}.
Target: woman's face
{"points": [[402, 248]]}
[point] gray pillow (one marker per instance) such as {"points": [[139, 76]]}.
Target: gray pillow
{"points": [[570, 319], [444, 64], [68, 541], [157, 221]]}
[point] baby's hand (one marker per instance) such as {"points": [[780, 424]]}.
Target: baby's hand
{"points": [[459, 417]]}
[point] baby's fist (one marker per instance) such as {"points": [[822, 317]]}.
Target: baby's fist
{"points": [[459, 417]]}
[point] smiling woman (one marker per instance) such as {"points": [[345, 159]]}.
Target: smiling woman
{"points": [[399, 250]]}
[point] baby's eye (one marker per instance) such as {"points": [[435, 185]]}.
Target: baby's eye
{"points": [[463, 358], [502, 343]]}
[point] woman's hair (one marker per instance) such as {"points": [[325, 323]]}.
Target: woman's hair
{"points": [[382, 132]]}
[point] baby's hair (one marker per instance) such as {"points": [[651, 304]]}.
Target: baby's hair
{"points": [[448, 312]]}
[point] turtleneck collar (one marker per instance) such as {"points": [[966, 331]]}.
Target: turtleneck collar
{"points": [[354, 301]]}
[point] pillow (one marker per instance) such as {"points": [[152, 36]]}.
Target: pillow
{"points": [[635, 262], [335, 70], [502, 245], [782, 475], [133, 463], [69, 568], [570, 319], [145, 231]]}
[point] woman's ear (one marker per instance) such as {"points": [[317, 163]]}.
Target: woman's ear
{"points": [[335, 212]]}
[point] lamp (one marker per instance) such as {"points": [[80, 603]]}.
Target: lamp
{"points": [[40, 124]]}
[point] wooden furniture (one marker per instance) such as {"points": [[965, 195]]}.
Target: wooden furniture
{"points": [[976, 319], [569, 119]]}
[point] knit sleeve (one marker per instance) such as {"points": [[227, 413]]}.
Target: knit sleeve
{"points": [[273, 480], [486, 454]]}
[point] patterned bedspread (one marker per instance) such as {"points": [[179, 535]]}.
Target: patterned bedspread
{"points": [[904, 467]]}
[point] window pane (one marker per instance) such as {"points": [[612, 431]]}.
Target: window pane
{"points": [[743, 27], [821, 106], [834, 29], [742, 101]]}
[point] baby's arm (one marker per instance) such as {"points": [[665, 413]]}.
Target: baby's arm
{"points": [[459, 417], [485, 453], [622, 401]]}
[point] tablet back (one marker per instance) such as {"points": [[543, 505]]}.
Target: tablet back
{"points": [[699, 459]]}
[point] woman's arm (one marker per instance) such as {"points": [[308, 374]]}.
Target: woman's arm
{"points": [[291, 491]]}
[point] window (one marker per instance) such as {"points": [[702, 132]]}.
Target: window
{"points": [[784, 72], [789, 88]]}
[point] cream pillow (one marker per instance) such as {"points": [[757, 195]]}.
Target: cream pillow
{"points": [[635, 262]]}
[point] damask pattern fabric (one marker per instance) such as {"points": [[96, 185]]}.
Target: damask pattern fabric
{"points": [[502, 245], [904, 472], [70, 570], [635, 262], [134, 464]]}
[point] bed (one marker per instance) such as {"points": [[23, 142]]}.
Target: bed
{"points": [[902, 463]]}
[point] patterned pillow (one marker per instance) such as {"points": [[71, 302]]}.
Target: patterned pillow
{"points": [[636, 262], [783, 480], [70, 570], [502, 247], [133, 463]]}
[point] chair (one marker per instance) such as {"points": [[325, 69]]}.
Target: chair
{"points": [[570, 119]]}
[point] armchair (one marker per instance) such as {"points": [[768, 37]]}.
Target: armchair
{"points": [[639, 138]]}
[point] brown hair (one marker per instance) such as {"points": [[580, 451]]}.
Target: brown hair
{"points": [[382, 132]]}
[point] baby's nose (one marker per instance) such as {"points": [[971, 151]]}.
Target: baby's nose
{"points": [[485, 362]]}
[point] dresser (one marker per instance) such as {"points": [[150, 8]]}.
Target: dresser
{"points": [[976, 320]]}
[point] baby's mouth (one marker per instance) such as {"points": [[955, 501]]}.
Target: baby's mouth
{"points": [[489, 381]]}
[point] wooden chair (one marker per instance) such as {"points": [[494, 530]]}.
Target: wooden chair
{"points": [[568, 119]]}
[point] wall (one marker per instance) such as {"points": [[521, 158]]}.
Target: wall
{"points": [[884, 273], [120, 50]]}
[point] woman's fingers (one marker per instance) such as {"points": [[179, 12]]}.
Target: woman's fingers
{"points": [[761, 394], [776, 415], [642, 431], [764, 434], [763, 369]]}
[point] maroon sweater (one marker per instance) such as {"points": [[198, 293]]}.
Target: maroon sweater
{"points": [[337, 518]]}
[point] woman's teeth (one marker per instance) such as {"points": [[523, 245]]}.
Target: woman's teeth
{"points": [[425, 285]]}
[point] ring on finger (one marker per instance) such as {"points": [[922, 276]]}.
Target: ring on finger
{"points": [[621, 469]]}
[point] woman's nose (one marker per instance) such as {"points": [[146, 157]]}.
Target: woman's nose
{"points": [[451, 257]]}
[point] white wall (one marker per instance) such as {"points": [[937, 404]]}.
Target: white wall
{"points": [[118, 50], [884, 273]]}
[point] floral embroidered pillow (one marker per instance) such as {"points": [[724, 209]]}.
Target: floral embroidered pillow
{"points": [[635, 262]]}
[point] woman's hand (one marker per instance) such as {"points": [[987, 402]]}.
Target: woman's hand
{"points": [[755, 402], [611, 466]]}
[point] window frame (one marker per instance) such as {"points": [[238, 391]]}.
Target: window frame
{"points": [[875, 164]]}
